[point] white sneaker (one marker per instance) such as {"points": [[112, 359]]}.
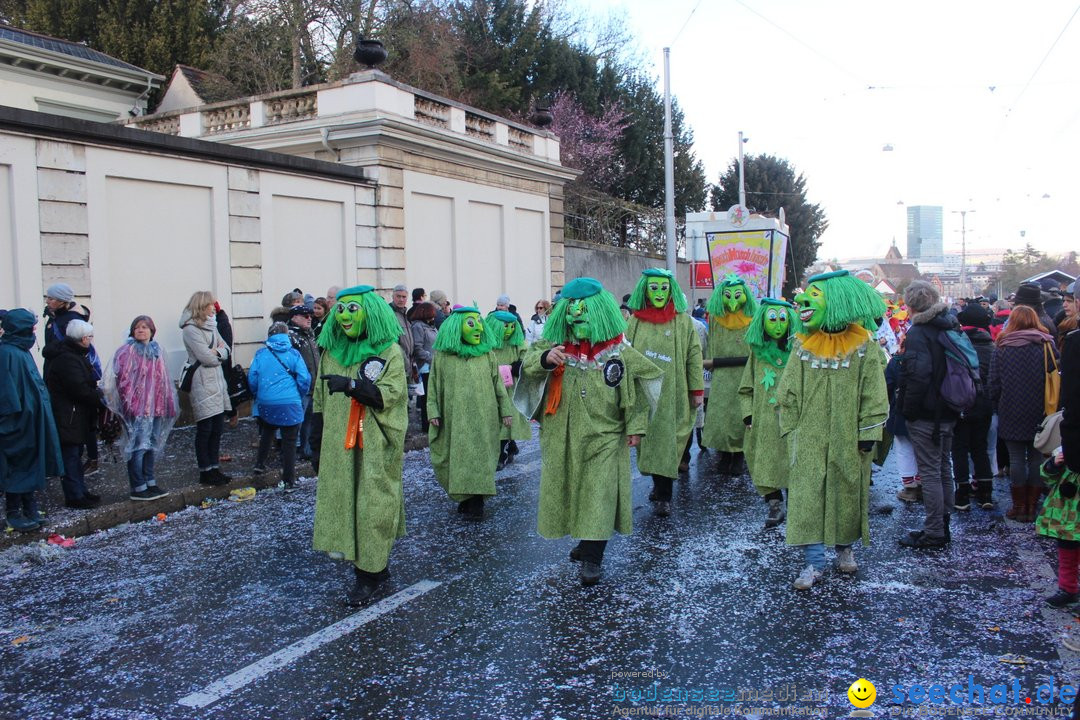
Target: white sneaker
{"points": [[845, 561], [807, 578]]}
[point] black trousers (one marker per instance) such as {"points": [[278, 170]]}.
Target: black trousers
{"points": [[969, 440], [662, 487]]}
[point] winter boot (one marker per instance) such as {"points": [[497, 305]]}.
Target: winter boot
{"points": [[723, 463], [1034, 496], [738, 464], [504, 455], [984, 494], [512, 450], [911, 492], [1019, 498], [364, 586], [1068, 590], [962, 499], [17, 521], [474, 508], [589, 573], [807, 578], [845, 560], [776, 513]]}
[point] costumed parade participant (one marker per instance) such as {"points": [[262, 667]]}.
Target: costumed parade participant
{"points": [[661, 330], [592, 394], [730, 308], [769, 335], [466, 401], [508, 346], [833, 404], [358, 437]]}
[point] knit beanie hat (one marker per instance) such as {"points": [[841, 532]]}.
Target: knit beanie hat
{"points": [[61, 292], [920, 296], [974, 315]]}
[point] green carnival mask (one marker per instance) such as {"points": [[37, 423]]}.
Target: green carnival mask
{"points": [[508, 331], [811, 304], [577, 318], [776, 322], [349, 314], [734, 298], [658, 291], [472, 329]]}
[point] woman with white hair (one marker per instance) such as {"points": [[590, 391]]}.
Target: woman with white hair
{"points": [[76, 399]]}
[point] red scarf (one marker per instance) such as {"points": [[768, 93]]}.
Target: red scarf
{"points": [[656, 316], [584, 351]]}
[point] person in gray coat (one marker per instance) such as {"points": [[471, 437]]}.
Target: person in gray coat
{"points": [[209, 394]]}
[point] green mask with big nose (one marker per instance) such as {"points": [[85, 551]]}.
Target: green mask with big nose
{"points": [[472, 329], [811, 305], [734, 298], [577, 319]]}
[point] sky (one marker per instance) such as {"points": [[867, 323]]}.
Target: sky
{"points": [[979, 101]]}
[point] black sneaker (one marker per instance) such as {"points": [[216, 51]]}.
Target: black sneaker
{"points": [[209, 477], [589, 573], [156, 492], [93, 497], [1062, 599], [256, 471], [143, 495], [222, 476]]}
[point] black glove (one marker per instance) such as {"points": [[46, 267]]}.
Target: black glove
{"points": [[866, 445], [315, 440], [515, 368], [336, 383], [748, 420], [366, 392]]}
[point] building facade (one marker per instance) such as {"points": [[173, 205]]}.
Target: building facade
{"points": [[924, 234]]}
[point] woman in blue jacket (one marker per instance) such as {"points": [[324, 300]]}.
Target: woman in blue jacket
{"points": [[279, 379]]}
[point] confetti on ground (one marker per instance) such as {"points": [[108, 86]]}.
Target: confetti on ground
{"points": [[242, 494], [20, 640]]}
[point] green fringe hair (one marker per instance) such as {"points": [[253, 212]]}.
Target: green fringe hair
{"points": [[381, 330], [850, 300], [716, 307], [764, 346], [605, 320], [638, 300], [495, 328], [449, 337]]}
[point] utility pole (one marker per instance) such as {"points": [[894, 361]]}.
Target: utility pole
{"points": [[963, 249], [669, 167], [742, 183]]}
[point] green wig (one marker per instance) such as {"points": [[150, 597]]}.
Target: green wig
{"points": [[638, 299], [716, 307], [449, 337], [495, 325], [848, 300], [605, 318], [381, 328], [763, 345]]}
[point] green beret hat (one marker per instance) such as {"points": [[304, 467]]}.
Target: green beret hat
{"points": [[828, 275], [581, 288], [355, 290]]}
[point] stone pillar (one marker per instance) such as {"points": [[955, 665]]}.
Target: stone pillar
{"points": [[62, 217], [245, 263], [558, 250]]}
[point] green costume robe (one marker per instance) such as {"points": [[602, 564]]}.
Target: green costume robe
{"points": [[826, 408], [519, 428], [675, 348], [766, 452], [359, 504], [585, 487], [468, 397], [724, 429]]}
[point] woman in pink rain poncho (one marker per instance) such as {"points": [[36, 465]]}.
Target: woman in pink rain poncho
{"points": [[139, 391]]}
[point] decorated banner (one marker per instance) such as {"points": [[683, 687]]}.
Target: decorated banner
{"points": [[757, 256], [701, 274]]}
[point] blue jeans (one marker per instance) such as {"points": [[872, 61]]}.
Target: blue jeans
{"points": [[72, 481], [815, 554], [140, 467]]}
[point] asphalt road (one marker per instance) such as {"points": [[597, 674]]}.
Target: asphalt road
{"points": [[226, 612]]}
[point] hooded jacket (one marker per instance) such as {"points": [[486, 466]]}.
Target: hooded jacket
{"points": [[279, 379], [209, 392], [919, 390]]}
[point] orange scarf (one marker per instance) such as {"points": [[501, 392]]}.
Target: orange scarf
{"points": [[736, 321], [354, 431], [835, 346]]}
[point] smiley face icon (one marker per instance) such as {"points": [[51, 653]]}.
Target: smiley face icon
{"points": [[862, 693]]}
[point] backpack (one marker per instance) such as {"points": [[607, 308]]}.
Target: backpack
{"points": [[960, 385]]}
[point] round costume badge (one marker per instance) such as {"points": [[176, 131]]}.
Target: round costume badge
{"points": [[613, 372], [371, 368]]}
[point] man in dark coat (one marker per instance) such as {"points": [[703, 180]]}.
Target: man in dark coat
{"points": [[29, 443], [303, 341], [929, 420], [1031, 294], [972, 429]]}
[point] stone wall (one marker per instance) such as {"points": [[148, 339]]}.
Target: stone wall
{"points": [[619, 269]]}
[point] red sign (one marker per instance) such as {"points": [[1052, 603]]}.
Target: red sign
{"points": [[701, 275]]}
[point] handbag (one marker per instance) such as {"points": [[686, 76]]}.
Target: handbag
{"points": [[187, 375], [1048, 434], [237, 382], [1052, 387]]}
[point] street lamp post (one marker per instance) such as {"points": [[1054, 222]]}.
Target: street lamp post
{"points": [[963, 249]]}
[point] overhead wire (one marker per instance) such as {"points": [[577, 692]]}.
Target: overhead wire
{"points": [[1041, 62]]}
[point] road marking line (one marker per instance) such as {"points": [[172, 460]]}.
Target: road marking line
{"points": [[231, 683]]}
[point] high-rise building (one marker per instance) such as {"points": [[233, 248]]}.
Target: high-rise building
{"points": [[924, 238]]}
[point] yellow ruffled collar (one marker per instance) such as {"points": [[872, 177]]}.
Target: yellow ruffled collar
{"points": [[835, 346], [732, 321]]}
